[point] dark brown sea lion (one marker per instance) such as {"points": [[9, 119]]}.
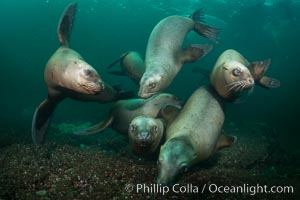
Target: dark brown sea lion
{"points": [[193, 136], [68, 75], [124, 111], [165, 55], [132, 65]]}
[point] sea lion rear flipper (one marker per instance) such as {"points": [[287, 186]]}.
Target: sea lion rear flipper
{"points": [[118, 60], [65, 24], [95, 128], [194, 52], [168, 113], [225, 140], [41, 119], [269, 82], [259, 68], [206, 31]]}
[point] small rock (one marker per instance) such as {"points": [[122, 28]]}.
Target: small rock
{"points": [[41, 192]]}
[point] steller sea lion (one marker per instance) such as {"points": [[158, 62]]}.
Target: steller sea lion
{"points": [[124, 111], [68, 75], [193, 136], [165, 55], [146, 134], [132, 65], [230, 75]]}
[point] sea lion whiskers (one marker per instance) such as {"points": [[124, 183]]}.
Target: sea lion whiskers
{"points": [[234, 85], [239, 85], [92, 88]]}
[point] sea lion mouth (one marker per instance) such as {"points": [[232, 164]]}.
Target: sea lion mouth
{"points": [[92, 88], [144, 141], [145, 95]]}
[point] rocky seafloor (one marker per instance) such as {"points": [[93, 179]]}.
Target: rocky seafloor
{"points": [[103, 167]]}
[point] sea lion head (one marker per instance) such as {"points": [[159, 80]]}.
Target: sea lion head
{"points": [[145, 134], [150, 85], [175, 157], [232, 80], [85, 79]]}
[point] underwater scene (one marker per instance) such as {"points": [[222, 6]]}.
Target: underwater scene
{"points": [[149, 99]]}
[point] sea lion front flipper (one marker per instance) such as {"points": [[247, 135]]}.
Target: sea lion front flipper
{"points": [[41, 119], [168, 113], [259, 68], [269, 82], [225, 140], [118, 60], [65, 24], [194, 52], [96, 128], [121, 94], [117, 73], [206, 31]]}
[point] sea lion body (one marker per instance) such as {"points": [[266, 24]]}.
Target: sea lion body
{"points": [[132, 65], [124, 111], [193, 136], [68, 75], [146, 134], [165, 55], [230, 75]]}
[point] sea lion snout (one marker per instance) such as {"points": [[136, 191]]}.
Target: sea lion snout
{"points": [[143, 138], [250, 82], [93, 88]]}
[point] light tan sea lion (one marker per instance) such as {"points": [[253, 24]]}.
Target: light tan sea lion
{"points": [[124, 111], [132, 65], [230, 76], [68, 75], [165, 55], [193, 136], [146, 134]]}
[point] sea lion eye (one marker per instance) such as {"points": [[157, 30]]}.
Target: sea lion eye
{"points": [[132, 128], [152, 85], [155, 129], [236, 72], [87, 72]]}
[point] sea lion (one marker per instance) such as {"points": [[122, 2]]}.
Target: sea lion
{"points": [[165, 55], [230, 75], [123, 111], [145, 134], [132, 65], [68, 75], [194, 135]]}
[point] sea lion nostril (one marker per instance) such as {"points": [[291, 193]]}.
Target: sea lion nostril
{"points": [[144, 134], [251, 81]]}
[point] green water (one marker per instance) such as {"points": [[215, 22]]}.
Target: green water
{"points": [[104, 29]]}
